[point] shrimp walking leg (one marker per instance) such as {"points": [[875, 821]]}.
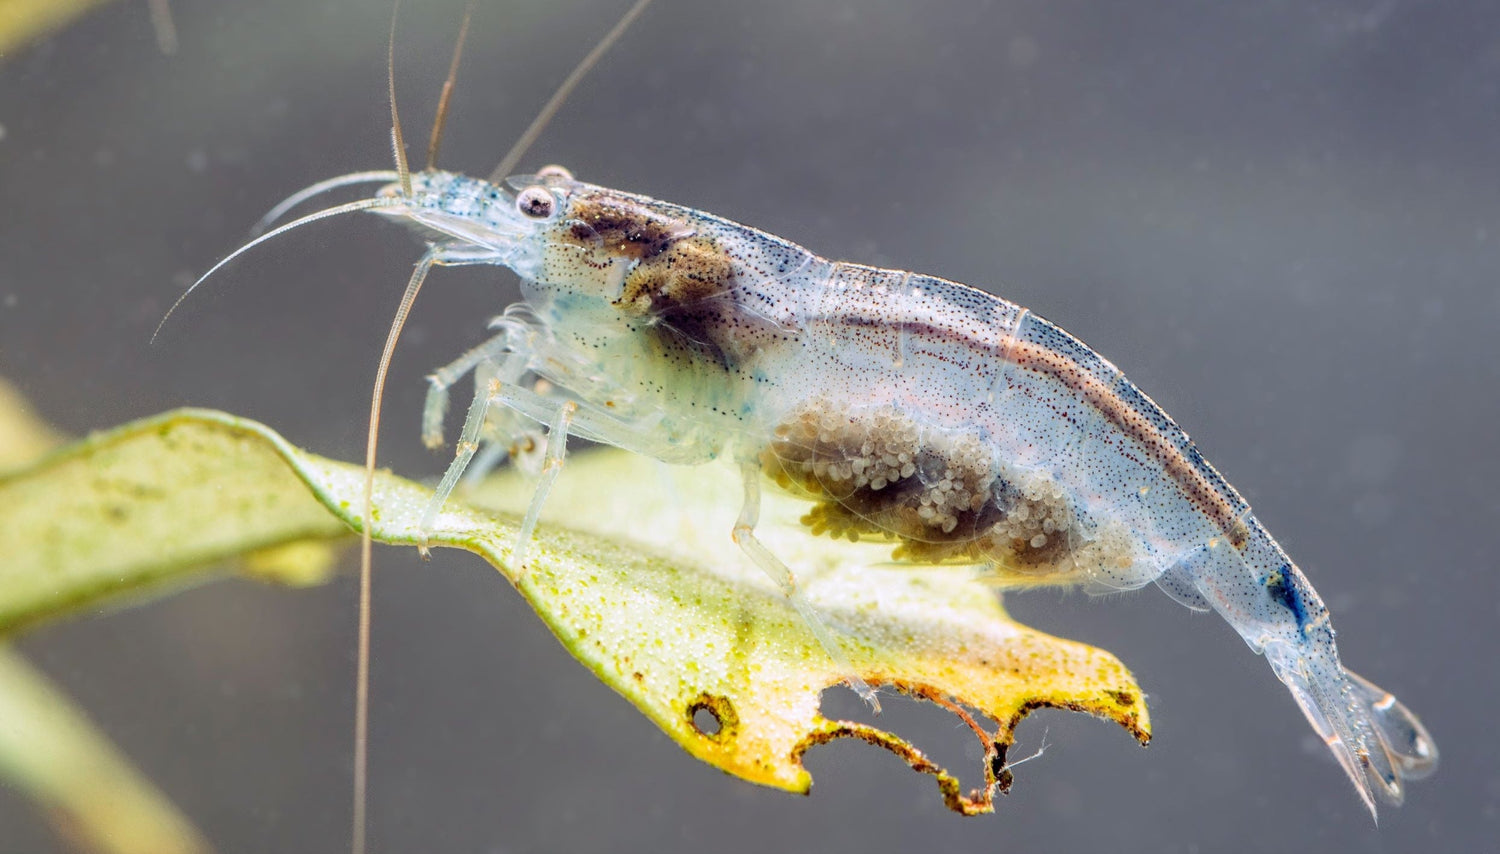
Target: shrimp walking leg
{"points": [[771, 565], [495, 385], [489, 377], [491, 387], [557, 446], [640, 436], [496, 450], [435, 410], [486, 388]]}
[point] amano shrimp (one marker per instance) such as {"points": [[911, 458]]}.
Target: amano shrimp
{"points": [[903, 407], [950, 422]]}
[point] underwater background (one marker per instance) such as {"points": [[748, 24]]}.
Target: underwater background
{"points": [[1281, 220]]}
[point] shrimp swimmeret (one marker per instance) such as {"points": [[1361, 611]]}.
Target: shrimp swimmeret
{"points": [[909, 408], [906, 408]]}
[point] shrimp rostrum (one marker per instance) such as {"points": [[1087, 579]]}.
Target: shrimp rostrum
{"points": [[948, 421]]}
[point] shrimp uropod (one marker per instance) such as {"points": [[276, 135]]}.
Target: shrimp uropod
{"points": [[953, 423]]}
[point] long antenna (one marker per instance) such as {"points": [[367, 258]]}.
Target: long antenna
{"points": [[382, 176], [362, 688], [442, 110], [347, 207], [398, 144], [366, 543], [518, 150]]}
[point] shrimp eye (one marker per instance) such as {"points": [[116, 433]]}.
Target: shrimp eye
{"points": [[535, 202], [554, 171]]}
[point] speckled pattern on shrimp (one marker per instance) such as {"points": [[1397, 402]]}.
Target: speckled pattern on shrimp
{"points": [[954, 424]]}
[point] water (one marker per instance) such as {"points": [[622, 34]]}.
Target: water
{"points": [[1280, 220]]}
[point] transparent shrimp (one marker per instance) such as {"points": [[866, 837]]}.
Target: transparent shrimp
{"points": [[956, 425]]}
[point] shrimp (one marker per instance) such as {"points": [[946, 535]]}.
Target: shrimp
{"points": [[903, 407], [950, 422]]}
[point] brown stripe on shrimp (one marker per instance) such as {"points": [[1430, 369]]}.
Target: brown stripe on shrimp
{"points": [[971, 326], [1200, 483]]}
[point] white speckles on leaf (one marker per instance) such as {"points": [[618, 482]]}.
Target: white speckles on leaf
{"points": [[646, 591]]}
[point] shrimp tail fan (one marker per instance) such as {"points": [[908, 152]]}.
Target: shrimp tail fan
{"points": [[1378, 742]]}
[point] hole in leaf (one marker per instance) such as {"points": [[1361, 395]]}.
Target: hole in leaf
{"points": [[706, 722], [713, 717]]}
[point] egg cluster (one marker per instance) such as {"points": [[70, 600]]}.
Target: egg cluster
{"points": [[875, 473], [885, 467], [1040, 514]]}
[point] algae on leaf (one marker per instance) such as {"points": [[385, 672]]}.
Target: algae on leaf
{"points": [[156, 502], [938, 633], [636, 577], [48, 747]]}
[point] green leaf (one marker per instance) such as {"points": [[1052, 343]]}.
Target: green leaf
{"points": [[156, 502], [635, 574], [89, 790], [48, 747]]}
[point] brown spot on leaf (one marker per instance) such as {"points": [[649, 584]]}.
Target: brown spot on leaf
{"points": [[975, 802], [713, 717]]}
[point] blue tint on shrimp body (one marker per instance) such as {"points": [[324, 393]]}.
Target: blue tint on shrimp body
{"points": [[906, 408], [1287, 594]]}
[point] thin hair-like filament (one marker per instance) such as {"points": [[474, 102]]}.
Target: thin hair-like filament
{"points": [[350, 207], [366, 546], [517, 151], [376, 176], [398, 143], [436, 140]]}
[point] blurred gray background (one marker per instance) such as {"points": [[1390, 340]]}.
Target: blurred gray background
{"points": [[1280, 218]]}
